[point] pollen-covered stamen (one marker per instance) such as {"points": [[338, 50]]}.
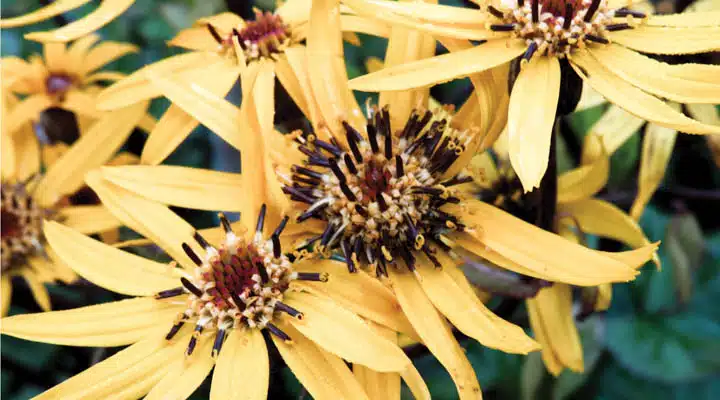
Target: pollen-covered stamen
{"points": [[556, 27], [381, 194], [264, 37], [238, 284], [21, 225]]}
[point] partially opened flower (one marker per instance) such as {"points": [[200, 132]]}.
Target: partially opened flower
{"points": [[390, 198], [107, 11], [58, 194], [222, 48], [575, 215], [597, 38], [234, 285], [63, 78]]}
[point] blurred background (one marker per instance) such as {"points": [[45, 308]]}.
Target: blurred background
{"points": [[660, 339]]}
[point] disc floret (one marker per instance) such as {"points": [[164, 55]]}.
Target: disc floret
{"points": [[264, 37], [381, 194], [557, 27], [21, 222]]}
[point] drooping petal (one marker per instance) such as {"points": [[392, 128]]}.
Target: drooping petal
{"points": [[111, 324], [43, 13], [551, 319], [91, 150], [128, 374], [633, 99], [38, 289], [613, 129], [185, 374], [662, 40], [585, 181], [5, 294], [495, 234], [435, 333], [708, 114], [604, 296], [243, 370], [441, 68], [344, 334], [658, 144], [325, 376], [104, 13], [109, 267], [291, 83], [297, 59], [468, 313], [88, 219], [358, 292], [181, 186], [657, 77], [531, 117], [105, 53]]}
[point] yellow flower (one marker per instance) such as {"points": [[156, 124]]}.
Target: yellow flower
{"points": [[65, 78], [577, 212], [597, 38], [222, 48], [232, 284], [386, 191], [58, 194], [106, 12]]}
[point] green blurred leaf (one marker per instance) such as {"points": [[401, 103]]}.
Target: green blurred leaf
{"points": [[532, 376]]}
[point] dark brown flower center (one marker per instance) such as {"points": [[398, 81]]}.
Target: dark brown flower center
{"points": [[21, 225]]}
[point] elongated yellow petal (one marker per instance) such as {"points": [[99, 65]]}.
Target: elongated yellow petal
{"points": [[297, 59], [686, 19], [109, 76], [291, 83], [657, 77], [88, 219], [551, 318], [38, 289], [604, 296], [468, 313], [128, 374], [81, 103], [105, 53], [55, 57], [243, 370], [378, 385], [435, 333], [78, 50], [186, 374], [210, 109], [344, 334], [662, 40], [531, 117], [7, 147], [439, 69], [583, 182], [91, 150], [26, 111], [589, 99], [27, 153], [103, 14], [351, 24], [325, 376], [195, 38], [180, 186], [415, 383], [708, 114], [657, 148], [494, 231], [43, 13], [151, 219], [613, 129], [109, 267], [5, 294], [633, 99], [358, 292], [110, 324]]}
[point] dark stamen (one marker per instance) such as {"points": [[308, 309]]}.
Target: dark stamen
{"points": [[238, 301], [410, 124], [169, 293], [535, 8], [386, 123], [521, 3], [261, 219], [361, 210], [335, 168], [298, 195], [399, 169], [201, 241], [568, 16], [388, 148], [618, 27], [347, 192], [277, 250], [353, 137], [306, 171], [225, 223], [319, 161], [347, 252], [214, 33], [279, 333], [219, 340], [530, 51], [193, 340], [329, 147], [280, 306], [457, 180], [350, 164], [625, 12], [597, 39], [381, 202], [591, 10], [281, 226], [191, 254], [494, 11], [372, 137], [311, 213], [312, 276], [502, 27], [174, 330], [190, 287]]}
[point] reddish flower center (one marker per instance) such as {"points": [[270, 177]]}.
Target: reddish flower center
{"points": [[10, 225], [377, 180]]}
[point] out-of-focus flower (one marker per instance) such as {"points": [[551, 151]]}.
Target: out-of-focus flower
{"points": [[233, 284], [600, 39], [222, 48], [107, 11], [577, 214], [390, 197]]}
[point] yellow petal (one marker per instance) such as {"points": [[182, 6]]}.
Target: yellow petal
{"points": [[358, 292], [344, 334], [151, 219], [242, 371], [55, 57], [195, 38], [5, 294], [435, 333], [43, 13], [604, 296], [657, 77], [493, 232], [78, 50], [551, 318], [589, 99], [415, 383], [109, 76], [297, 59], [325, 376], [468, 313], [686, 19], [128, 374], [56, 268], [181, 186], [109, 267], [583, 182], [110, 324], [531, 117], [708, 114], [291, 83], [105, 53], [27, 111], [7, 146], [632, 99], [38, 289], [662, 40], [27, 153], [103, 14], [613, 129], [91, 150], [658, 144], [378, 385], [441, 68], [185, 374], [88, 219], [81, 103]]}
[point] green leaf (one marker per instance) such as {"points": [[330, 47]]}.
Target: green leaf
{"points": [[532, 376]]}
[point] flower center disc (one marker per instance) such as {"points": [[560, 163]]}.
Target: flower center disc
{"points": [[57, 84], [264, 37], [21, 225]]}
